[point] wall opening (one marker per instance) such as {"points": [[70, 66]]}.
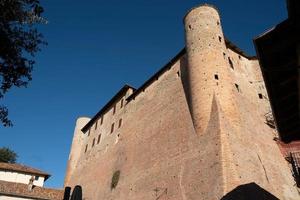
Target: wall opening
{"points": [[190, 27], [230, 62], [99, 138], [237, 87], [102, 120], [220, 39], [122, 102], [120, 123], [93, 144], [96, 124], [260, 95], [86, 147], [216, 77], [114, 109], [112, 128]]}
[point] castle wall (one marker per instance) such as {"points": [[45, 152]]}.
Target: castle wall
{"points": [[189, 134]]}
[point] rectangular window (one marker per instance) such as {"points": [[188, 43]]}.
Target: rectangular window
{"points": [[36, 178], [120, 123], [96, 124], [93, 144], [102, 120], [89, 132], [114, 109], [112, 128], [86, 147], [122, 102], [99, 138]]}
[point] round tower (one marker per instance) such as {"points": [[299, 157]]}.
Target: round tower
{"points": [[208, 72], [76, 148]]}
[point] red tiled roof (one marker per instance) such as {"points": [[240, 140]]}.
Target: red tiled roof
{"points": [[23, 168], [21, 190]]}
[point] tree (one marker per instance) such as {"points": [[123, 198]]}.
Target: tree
{"points": [[19, 42], [7, 155]]}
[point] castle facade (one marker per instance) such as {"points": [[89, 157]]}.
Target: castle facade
{"points": [[195, 130]]}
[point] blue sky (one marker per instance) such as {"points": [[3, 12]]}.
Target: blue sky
{"points": [[97, 46]]}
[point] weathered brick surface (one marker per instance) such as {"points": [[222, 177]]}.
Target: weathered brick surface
{"points": [[190, 136]]}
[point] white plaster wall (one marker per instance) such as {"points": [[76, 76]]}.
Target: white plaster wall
{"points": [[18, 177], [3, 197]]}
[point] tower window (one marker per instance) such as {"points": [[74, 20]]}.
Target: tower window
{"points": [[120, 123], [112, 127], [93, 144], [230, 63], [114, 109], [220, 39], [99, 138], [101, 122], [237, 87], [122, 102], [216, 77], [89, 132], [190, 27], [96, 124], [86, 147], [260, 95]]}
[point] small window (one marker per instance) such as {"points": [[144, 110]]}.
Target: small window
{"points": [[120, 123], [89, 132], [216, 77], [101, 122], [36, 178], [240, 57], [260, 95], [190, 27], [99, 138], [220, 39], [112, 128], [96, 124], [93, 144], [122, 101], [86, 147], [230, 63], [237, 87], [114, 109]]}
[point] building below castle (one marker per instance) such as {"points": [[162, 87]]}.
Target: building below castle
{"points": [[200, 128], [19, 182]]}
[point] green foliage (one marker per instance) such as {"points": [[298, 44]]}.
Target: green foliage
{"points": [[19, 42], [7, 155], [115, 179]]}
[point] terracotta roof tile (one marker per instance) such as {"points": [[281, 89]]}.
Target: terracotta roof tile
{"points": [[21, 190]]}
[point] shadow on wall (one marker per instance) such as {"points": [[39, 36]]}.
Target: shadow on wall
{"points": [[249, 191]]}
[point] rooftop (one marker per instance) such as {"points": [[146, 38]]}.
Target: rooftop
{"points": [[23, 169], [21, 190]]}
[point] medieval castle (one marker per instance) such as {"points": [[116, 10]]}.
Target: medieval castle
{"points": [[196, 130]]}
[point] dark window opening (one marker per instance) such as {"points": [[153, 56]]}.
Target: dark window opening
{"points": [[237, 87], [190, 27], [178, 73], [86, 147], [112, 128], [99, 138], [260, 95], [220, 39], [224, 54], [240, 57], [36, 178], [89, 132], [216, 77], [96, 125], [114, 109], [122, 101], [230, 63], [120, 123], [93, 144], [101, 120], [218, 23]]}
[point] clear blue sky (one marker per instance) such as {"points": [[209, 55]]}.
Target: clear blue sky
{"points": [[97, 46]]}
